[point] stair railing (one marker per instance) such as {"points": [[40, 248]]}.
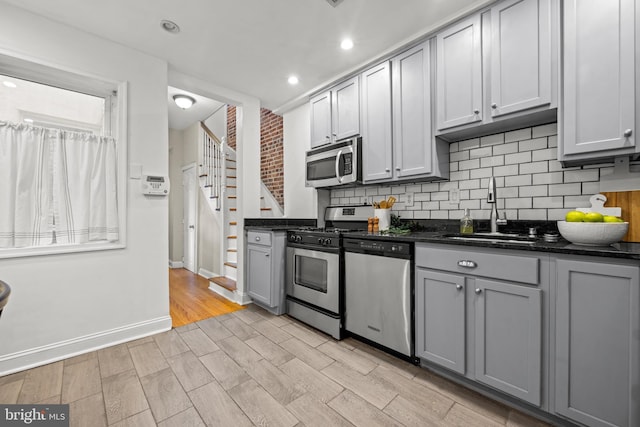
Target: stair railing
{"points": [[212, 166]]}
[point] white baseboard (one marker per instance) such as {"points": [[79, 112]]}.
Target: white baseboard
{"points": [[206, 273], [43, 355], [176, 264], [238, 298]]}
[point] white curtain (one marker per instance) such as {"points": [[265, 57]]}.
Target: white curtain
{"points": [[56, 186]]}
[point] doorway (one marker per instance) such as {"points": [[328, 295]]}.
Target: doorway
{"points": [[190, 217]]}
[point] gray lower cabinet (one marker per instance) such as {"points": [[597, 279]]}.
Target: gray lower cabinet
{"points": [[486, 328], [265, 269], [597, 342]]}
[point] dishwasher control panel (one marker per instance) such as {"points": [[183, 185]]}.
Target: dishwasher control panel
{"points": [[377, 247]]}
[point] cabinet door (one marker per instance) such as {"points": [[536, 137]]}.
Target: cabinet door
{"points": [[440, 318], [509, 338], [345, 109], [597, 350], [376, 123], [520, 55], [412, 139], [598, 76], [459, 74], [259, 273], [321, 119]]}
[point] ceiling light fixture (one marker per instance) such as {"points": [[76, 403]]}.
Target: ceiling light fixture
{"points": [[183, 101], [9, 84], [293, 80], [170, 26], [334, 3], [346, 44]]}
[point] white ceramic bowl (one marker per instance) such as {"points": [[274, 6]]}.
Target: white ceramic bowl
{"points": [[593, 233]]}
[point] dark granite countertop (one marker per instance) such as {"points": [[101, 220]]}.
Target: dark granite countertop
{"points": [[277, 224], [617, 250]]}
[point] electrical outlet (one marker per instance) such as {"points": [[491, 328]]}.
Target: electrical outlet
{"points": [[454, 196], [408, 200]]}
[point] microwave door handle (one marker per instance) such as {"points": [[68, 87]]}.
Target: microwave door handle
{"points": [[338, 166]]}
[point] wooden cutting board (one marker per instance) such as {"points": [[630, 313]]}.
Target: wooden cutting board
{"points": [[629, 201]]}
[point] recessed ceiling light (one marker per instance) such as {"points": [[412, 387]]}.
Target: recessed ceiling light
{"points": [[9, 84], [170, 26], [293, 80], [183, 101], [28, 120], [346, 44]]}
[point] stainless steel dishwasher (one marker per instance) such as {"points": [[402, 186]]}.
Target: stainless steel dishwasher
{"points": [[379, 292]]}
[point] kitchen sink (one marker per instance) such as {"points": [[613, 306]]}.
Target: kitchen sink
{"points": [[519, 239]]}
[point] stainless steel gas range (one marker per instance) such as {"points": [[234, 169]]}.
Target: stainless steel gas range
{"points": [[315, 268]]}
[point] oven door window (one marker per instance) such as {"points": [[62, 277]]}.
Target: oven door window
{"points": [[311, 273]]}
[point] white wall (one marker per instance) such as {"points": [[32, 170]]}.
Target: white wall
{"points": [[70, 303], [299, 201]]}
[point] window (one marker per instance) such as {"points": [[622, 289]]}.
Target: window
{"points": [[62, 161]]}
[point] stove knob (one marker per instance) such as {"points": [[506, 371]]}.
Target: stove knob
{"points": [[298, 238], [320, 240], [327, 242]]}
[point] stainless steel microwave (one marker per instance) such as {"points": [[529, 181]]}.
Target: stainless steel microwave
{"points": [[335, 164]]}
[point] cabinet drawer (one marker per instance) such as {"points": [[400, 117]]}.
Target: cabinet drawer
{"points": [[495, 265], [259, 238]]}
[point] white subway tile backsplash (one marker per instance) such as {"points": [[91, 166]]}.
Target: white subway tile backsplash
{"points": [[495, 139], [545, 130], [534, 167], [533, 144], [533, 191], [584, 175], [487, 162], [548, 178], [532, 184], [512, 147], [523, 157], [565, 189], [517, 180]]}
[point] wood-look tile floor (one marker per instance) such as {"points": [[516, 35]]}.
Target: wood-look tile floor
{"points": [[249, 368]]}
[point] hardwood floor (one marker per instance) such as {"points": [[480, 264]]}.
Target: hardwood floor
{"points": [[192, 301], [251, 368]]}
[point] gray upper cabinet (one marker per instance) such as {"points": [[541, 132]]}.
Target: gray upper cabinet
{"points": [[377, 151], [412, 136], [320, 106], [597, 342], [459, 74], [335, 113], [496, 65], [397, 139], [598, 110], [520, 56]]}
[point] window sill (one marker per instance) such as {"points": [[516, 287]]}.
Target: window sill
{"points": [[59, 249]]}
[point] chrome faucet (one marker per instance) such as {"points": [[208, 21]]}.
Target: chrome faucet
{"points": [[492, 197]]}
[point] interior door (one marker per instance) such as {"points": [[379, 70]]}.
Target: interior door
{"points": [[190, 209]]}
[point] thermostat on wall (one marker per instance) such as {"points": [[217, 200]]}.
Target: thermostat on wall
{"points": [[155, 185]]}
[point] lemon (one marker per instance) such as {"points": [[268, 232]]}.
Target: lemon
{"points": [[611, 218], [574, 216], [593, 217]]}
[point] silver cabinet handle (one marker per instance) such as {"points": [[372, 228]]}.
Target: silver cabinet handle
{"points": [[398, 168], [494, 105], [387, 170], [266, 255], [467, 263], [192, 226], [476, 111], [257, 238], [459, 287], [478, 291], [628, 133]]}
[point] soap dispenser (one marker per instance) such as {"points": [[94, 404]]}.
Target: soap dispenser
{"points": [[466, 223]]}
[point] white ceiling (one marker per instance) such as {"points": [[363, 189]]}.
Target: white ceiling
{"points": [[252, 46]]}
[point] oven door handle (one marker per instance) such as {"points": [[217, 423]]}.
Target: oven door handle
{"points": [[338, 166]]}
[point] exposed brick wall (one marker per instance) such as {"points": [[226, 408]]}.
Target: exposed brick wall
{"points": [[272, 153], [271, 149], [231, 126]]}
